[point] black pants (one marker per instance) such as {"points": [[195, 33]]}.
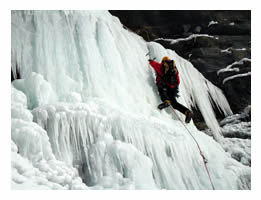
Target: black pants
{"points": [[167, 93], [176, 105]]}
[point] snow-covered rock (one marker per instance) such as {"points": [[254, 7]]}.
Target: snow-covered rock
{"points": [[212, 23], [232, 67], [191, 37]]}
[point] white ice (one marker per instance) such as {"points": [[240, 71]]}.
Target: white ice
{"points": [[236, 130], [84, 114], [34, 165]]}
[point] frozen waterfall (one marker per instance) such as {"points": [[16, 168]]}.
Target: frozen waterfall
{"points": [[84, 114]]}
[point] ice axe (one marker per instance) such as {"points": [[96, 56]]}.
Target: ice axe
{"points": [[148, 54]]}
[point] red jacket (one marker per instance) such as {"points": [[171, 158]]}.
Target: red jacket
{"points": [[158, 68]]}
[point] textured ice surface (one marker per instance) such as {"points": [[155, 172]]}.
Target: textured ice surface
{"points": [[237, 132], [158, 152], [239, 149], [92, 99], [34, 165], [37, 90]]}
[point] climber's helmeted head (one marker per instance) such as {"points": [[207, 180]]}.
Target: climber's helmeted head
{"points": [[168, 64], [164, 59]]}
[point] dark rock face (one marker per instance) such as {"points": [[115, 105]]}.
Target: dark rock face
{"points": [[210, 40], [181, 23]]}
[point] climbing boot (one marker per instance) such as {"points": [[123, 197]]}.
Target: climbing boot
{"points": [[188, 115], [165, 104]]}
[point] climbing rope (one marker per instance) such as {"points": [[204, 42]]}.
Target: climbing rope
{"points": [[204, 159]]}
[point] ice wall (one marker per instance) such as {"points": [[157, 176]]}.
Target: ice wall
{"points": [[195, 90], [93, 98], [99, 59], [85, 53]]}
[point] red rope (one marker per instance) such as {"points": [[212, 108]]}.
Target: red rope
{"points": [[203, 158]]}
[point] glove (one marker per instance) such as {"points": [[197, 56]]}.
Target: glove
{"points": [[167, 102], [152, 59]]}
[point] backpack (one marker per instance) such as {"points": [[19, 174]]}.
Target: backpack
{"points": [[169, 72]]}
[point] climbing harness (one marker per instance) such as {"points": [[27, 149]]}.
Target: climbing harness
{"points": [[203, 157]]}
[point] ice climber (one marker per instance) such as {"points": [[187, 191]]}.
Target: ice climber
{"points": [[167, 81]]}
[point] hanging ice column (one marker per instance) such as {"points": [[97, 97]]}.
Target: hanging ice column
{"points": [[100, 115]]}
